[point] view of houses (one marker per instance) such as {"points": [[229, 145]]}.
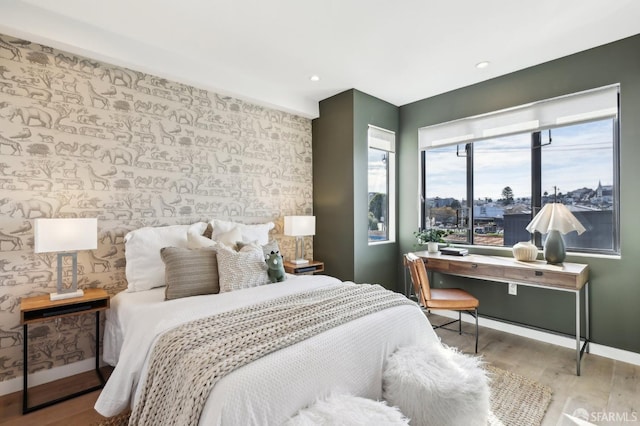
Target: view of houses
{"points": [[502, 222]]}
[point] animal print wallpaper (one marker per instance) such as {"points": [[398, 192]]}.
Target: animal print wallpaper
{"points": [[80, 138]]}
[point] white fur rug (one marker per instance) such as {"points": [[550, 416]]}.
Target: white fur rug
{"points": [[436, 385], [347, 410]]}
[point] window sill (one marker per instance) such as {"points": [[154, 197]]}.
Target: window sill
{"points": [[379, 243]]}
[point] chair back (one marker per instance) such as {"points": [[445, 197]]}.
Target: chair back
{"points": [[419, 277]]}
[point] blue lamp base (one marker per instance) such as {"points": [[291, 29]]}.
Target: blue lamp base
{"points": [[554, 249]]}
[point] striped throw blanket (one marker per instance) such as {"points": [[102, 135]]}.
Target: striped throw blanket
{"points": [[188, 360]]}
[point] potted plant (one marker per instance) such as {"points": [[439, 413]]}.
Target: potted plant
{"points": [[431, 237]]}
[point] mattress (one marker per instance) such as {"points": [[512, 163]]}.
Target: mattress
{"points": [[346, 359]]}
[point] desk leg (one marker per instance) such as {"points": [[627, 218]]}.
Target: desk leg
{"points": [[587, 328], [102, 381], [25, 369], [404, 281], [587, 332], [578, 333]]}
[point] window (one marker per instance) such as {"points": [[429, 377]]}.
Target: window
{"points": [[381, 185], [484, 178]]}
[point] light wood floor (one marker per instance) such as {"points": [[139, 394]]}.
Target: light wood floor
{"points": [[608, 387], [74, 412]]}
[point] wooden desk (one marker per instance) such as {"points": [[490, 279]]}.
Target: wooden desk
{"points": [[569, 277]]}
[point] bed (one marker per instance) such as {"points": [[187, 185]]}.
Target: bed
{"points": [[348, 358]]}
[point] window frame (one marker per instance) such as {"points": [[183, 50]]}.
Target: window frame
{"points": [[466, 145], [384, 140]]}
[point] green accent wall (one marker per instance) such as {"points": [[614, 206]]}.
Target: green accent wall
{"points": [[614, 283], [340, 191], [333, 206]]}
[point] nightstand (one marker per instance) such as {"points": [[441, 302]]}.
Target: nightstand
{"points": [[304, 269], [41, 308]]}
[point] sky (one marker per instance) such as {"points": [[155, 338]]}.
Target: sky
{"points": [[579, 156], [377, 171]]}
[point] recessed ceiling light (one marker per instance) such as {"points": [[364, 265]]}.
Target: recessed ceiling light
{"points": [[482, 64], [314, 78]]}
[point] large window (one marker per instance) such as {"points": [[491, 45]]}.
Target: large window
{"points": [[381, 185], [485, 185]]}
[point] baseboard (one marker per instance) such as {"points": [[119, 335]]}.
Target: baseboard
{"points": [[46, 376], [548, 337]]}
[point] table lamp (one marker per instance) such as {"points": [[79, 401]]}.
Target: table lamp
{"points": [[555, 219], [65, 236], [299, 226]]}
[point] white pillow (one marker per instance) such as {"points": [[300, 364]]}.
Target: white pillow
{"points": [[243, 269], [266, 248], [258, 232], [145, 269], [196, 240], [229, 238]]}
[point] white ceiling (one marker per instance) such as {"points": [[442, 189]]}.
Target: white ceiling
{"points": [[266, 50]]}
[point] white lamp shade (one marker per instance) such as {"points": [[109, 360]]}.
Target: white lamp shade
{"points": [[555, 217], [52, 235], [299, 226]]}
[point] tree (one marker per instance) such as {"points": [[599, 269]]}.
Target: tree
{"points": [[373, 222], [46, 166], [377, 205], [455, 204], [507, 196], [126, 119], [445, 215]]}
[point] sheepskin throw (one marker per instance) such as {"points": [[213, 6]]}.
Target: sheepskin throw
{"points": [[435, 385], [348, 410], [188, 360]]}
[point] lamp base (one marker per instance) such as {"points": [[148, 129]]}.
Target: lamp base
{"points": [[554, 250], [69, 295], [299, 261]]}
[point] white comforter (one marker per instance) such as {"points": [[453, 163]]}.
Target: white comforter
{"points": [[346, 359]]}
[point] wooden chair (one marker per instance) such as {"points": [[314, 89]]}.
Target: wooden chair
{"points": [[453, 299]]}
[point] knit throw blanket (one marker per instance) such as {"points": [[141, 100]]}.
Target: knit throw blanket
{"points": [[188, 360]]}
